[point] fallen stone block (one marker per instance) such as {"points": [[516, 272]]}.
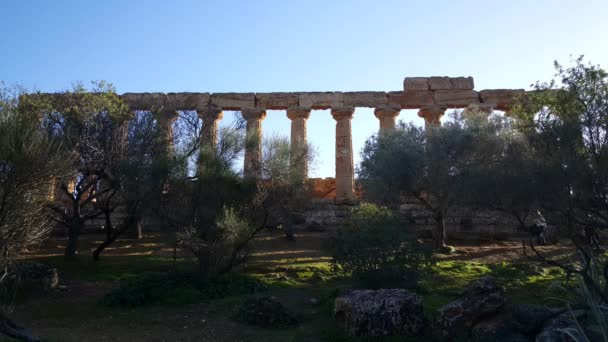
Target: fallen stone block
{"points": [[481, 298], [380, 313]]}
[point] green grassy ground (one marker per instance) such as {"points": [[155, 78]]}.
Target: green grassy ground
{"points": [[306, 285]]}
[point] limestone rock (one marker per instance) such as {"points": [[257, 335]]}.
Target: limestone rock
{"points": [[186, 101], [456, 98], [533, 317], [416, 83], [411, 99], [463, 83], [380, 313], [365, 98], [133, 100], [37, 274], [551, 331], [144, 101], [500, 98], [233, 101], [481, 298], [440, 83], [276, 100], [500, 328], [153, 101], [321, 100]]}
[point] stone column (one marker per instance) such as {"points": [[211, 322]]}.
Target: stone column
{"points": [[387, 116], [299, 152], [210, 116], [345, 178], [165, 119], [253, 148], [432, 115]]}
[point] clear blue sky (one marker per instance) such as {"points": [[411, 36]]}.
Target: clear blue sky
{"points": [[259, 46]]}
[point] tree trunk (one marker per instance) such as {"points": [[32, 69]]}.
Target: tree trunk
{"points": [[439, 233], [8, 328], [71, 250], [136, 231]]}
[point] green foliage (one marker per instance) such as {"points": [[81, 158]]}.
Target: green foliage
{"points": [[376, 247], [178, 288]]}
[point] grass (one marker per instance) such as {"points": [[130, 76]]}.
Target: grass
{"points": [[113, 268], [295, 282]]}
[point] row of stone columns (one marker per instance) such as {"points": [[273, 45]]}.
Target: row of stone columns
{"points": [[345, 186]]}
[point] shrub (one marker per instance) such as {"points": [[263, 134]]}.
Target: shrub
{"points": [[378, 250], [178, 288], [220, 246]]}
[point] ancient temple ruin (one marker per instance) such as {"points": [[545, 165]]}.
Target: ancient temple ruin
{"points": [[432, 96]]}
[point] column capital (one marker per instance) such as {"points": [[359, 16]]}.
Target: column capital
{"points": [[210, 113], [298, 113], [254, 113], [432, 114], [389, 111], [341, 113]]}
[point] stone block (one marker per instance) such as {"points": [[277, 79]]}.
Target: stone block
{"points": [[456, 98], [462, 83], [147, 101], [416, 83], [411, 99], [233, 101], [386, 312], [440, 83], [133, 100], [187, 101], [501, 98], [321, 100], [365, 98], [276, 100]]}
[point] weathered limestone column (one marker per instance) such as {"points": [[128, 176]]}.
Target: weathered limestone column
{"points": [[345, 178], [387, 116], [432, 115], [210, 116], [299, 152], [165, 119], [253, 148]]}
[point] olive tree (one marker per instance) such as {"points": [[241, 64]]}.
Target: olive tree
{"points": [[566, 123], [435, 166], [84, 120], [29, 159]]}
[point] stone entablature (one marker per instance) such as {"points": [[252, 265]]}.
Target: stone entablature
{"points": [[451, 92]]}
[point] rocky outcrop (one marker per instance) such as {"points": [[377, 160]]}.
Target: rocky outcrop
{"points": [[380, 313], [554, 329], [37, 274], [481, 298]]}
